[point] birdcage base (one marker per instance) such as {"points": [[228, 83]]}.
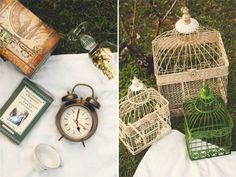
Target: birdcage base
{"points": [[198, 149], [135, 144], [209, 153]]}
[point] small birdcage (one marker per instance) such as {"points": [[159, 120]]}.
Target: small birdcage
{"points": [[144, 117], [187, 56], [208, 125]]}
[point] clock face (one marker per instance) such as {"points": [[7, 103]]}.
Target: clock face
{"points": [[76, 122]]}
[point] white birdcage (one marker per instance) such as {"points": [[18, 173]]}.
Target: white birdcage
{"points": [[185, 58], [144, 117]]}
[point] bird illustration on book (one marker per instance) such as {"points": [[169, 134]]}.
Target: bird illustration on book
{"points": [[17, 119]]}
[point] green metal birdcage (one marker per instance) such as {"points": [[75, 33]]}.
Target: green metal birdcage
{"points": [[208, 125]]}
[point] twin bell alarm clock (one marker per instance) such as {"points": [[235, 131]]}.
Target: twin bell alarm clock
{"points": [[77, 119]]}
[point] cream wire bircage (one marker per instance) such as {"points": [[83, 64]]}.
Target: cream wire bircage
{"points": [[185, 58], [144, 117]]}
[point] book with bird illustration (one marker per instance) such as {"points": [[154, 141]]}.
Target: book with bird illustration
{"points": [[23, 109]]}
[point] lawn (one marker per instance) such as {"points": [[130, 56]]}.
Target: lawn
{"points": [[65, 15], [218, 14]]}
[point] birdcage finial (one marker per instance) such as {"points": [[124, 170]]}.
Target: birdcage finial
{"points": [[186, 16], [136, 85], [186, 24], [206, 93]]}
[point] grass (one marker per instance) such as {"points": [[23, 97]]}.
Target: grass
{"points": [[218, 14], [65, 15]]}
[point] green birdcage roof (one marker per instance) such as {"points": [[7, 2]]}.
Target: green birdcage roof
{"points": [[207, 113]]}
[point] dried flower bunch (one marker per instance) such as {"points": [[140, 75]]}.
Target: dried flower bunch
{"points": [[102, 59]]}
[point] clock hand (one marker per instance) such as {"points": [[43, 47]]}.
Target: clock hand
{"points": [[77, 116], [82, 126], [76, 122]]}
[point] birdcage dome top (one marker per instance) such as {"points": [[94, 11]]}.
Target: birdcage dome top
{"points": [[137, 92], [207, 112], [188, 46], [139, 102]]}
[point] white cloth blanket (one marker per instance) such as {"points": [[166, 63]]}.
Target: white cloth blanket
{"points": [[59, 75], [169, 158]]}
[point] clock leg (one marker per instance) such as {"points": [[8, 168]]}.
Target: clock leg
{"points": [[60, 138], [83, 143]]}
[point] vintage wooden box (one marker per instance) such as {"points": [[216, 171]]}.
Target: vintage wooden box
{"points": [[25, 40]]}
